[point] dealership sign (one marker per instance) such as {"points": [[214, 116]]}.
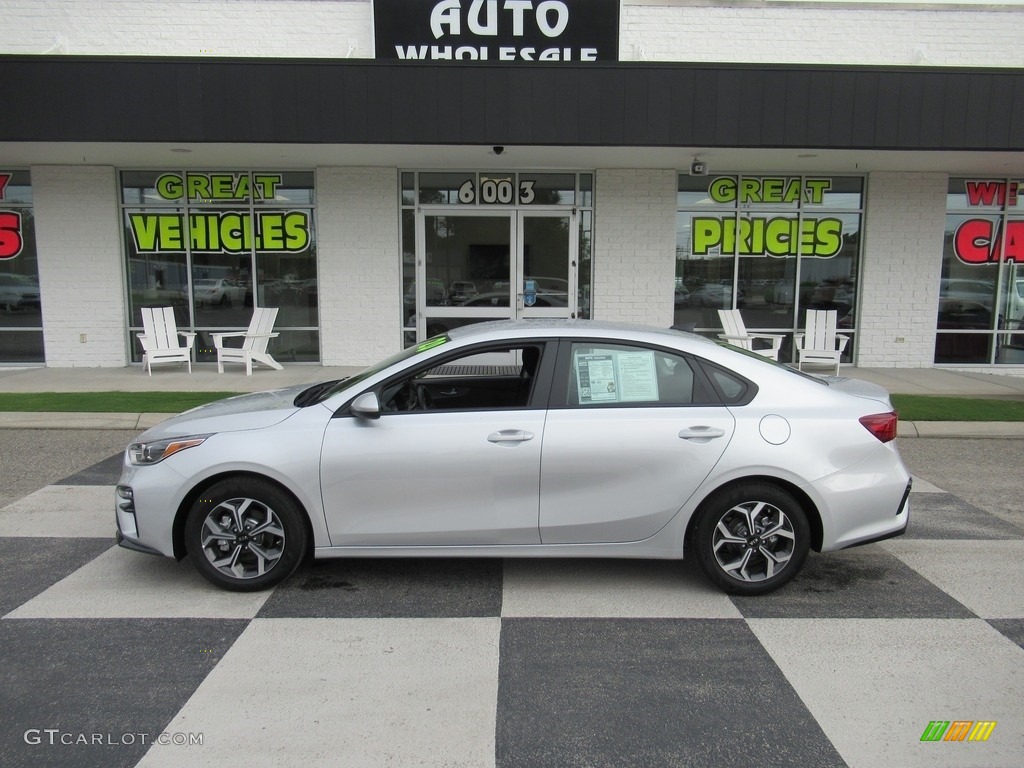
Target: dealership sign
{"points": [[781, 236], [220, 231], [983, 241], [497, 30], [11, 240]]}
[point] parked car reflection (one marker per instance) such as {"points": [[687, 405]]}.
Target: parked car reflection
{"points": [[18, 292]]}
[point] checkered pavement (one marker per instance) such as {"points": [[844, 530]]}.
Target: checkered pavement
{"points": [[551, 663]]}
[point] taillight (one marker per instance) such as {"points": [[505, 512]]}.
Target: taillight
{"points": [[881, 425]]}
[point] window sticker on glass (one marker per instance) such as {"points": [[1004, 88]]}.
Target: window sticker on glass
{"points": [[595, 378], [616, 377]]}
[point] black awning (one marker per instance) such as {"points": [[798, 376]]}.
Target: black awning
{"points": [[108, 99]]}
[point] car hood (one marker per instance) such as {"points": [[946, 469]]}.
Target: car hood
{"points": [[253, 411], [860, 388]]}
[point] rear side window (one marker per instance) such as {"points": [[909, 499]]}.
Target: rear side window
{"points": [[733, 389], [602, 374]]}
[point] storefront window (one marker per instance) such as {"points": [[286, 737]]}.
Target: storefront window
{"points": [[21, 322], [770, 246], [981, 291], [214, 245]]}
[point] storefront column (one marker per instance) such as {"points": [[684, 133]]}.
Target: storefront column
{"points": [[904, 225], [80, 266], [634, 246], [359, 261]]}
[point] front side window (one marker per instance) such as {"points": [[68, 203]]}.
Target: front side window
{"points": [[21, 321], [980, 316], [215, 245], [494, 378], [770, 246]]}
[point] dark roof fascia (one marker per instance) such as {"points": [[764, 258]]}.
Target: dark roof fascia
{"points": [[641, 104]]}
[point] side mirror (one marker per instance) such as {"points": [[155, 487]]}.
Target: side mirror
{"points": [[366, 406]]}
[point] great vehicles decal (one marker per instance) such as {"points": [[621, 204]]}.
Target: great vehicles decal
{"points": [[783, 235], [11, 239], [497, 30], [220, 231], [984, 241]]}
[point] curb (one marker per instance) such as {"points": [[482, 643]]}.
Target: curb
{"points": [[52, 420], [141, 421]]}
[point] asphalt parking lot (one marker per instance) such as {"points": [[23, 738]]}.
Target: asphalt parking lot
{"points": [[107, 653]]}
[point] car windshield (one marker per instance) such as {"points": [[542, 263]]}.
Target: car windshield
{"points": [[376, 368]]}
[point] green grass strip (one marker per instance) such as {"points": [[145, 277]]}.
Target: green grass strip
{"points": [[938, 408], [107, 402]]}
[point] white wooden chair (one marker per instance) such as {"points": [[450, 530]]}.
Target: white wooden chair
{"points": [[736, 334], [254, 342], [162, 341], [819, 343]]}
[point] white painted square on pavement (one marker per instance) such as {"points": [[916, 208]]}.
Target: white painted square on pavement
{"points": [[985, 575], [75, 511], [874, 685], [124, 584], [359, 692]]}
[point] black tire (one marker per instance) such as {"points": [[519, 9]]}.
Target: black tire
{"points": [[245, 534], [751, 562]]}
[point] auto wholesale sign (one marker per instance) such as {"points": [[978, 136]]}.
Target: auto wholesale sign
{"points": [[497, 30], [11, 240]]}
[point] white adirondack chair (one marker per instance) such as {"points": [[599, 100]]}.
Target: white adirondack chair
{"points": [[254, 342], [162, 341], [736, 334], [819, 343]]}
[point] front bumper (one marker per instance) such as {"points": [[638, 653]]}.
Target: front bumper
{"points": [[134, 545]]}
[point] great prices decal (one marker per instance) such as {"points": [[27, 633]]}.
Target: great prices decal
{"points": [[11, 240], [983, 241], [766, 235], [220, 231]]}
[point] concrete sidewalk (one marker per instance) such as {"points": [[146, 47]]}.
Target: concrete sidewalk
{"points": [[204, 378]]}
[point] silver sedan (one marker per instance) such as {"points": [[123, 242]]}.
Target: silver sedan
{"points": [[526, 439]]}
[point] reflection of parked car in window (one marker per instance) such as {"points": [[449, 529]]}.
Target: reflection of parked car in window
{"points": [[966, 303], [437, 294], [715, 295], [221, 290], [460, 290], [18, 292]]}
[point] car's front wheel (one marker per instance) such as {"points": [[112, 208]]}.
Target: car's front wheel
{"points": [[751, 538], [245, 534]]}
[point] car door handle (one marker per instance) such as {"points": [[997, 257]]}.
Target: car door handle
{"points": [[701, 433], [510, 436]]}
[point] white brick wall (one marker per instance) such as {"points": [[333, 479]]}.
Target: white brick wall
{"points": [[695, 30], [650, 30], [899, 290], [634, 246], [266, 28], [358, 258], [80, 265]]}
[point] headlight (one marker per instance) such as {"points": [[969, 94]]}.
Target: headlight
{"points": [[158, 450]]}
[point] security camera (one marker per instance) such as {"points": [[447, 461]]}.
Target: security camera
{"points": [[698, 168], [498, 150]]}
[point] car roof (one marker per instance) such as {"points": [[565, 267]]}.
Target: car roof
{"points": [[565, 328]]}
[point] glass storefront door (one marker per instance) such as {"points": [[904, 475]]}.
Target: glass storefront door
{"points": [[476, 266]]}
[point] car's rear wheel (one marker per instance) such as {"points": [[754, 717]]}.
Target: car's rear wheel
{"points": [[245, 534], [751, 538]]}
